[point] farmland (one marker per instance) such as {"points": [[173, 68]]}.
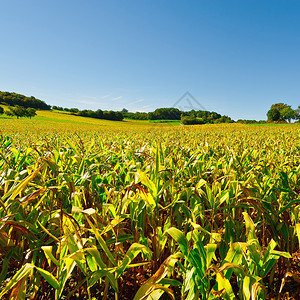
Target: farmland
{"points": [[95, 209]]}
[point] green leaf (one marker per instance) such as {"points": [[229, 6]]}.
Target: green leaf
{"points": [[94, 252], [22, 185], [103, 273], [65, 274], [271, 247], [180, 238], [197, 262], [48, 253], [290, 204], [210, 195], [132, 252], [280, 253], [101, 242], [235, 256], [255, 255], [210, 252], [17, 277], [148, 183], [49, 277], [250, 227], [167, 281], [224, 197], [224, 283]]}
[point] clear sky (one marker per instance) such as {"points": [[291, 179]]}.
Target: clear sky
{"points": [[236, 57]]}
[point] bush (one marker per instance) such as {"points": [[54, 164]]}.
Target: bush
{"points": [[186, 120]]}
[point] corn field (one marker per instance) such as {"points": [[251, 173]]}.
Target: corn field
{"points": [[204, 212]]}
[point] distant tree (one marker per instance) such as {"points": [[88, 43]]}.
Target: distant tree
{"points": [[91, 114], [287, 114], [57, 107], [30, 112], [1, 110], [9, 113], [297, 113], [280, 106], [273, 115], [82, 113], [204, 117], [20, 111], [191, 120], [74, 110], [135, 116], [119, 116], [170, 113], [17, 111], [282, 112], [223, 119], [99, 114], [124, 110], [285, 111]]}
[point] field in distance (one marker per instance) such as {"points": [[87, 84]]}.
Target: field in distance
{"points": [[61, 120]]}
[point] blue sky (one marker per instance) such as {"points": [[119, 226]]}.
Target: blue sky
{"points": [[236, 57]]}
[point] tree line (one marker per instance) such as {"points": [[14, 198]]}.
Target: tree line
{"points": [[187, 118], [203, 117], [99, 114], [13, 99], [23, 106]]}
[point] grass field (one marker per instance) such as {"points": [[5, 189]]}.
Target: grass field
{"points": [[95, 209]]}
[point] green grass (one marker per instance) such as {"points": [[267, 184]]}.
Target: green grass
{"points": [[165, 121]]}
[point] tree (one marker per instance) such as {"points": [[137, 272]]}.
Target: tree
{"points": [[223, 119], [9, 113], [57, 107], [280, 106], [287, 114], [99, 114], [191, 120], [297, 113], [273, 115], [17, 111], [74, 110], [165, 114], [30, 112], [1, 110], [283, 110]]}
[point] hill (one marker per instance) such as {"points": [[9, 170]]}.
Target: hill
{"points": [[13, 99]]}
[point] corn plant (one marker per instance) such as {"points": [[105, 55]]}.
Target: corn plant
{"points": [[141, 211]]}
